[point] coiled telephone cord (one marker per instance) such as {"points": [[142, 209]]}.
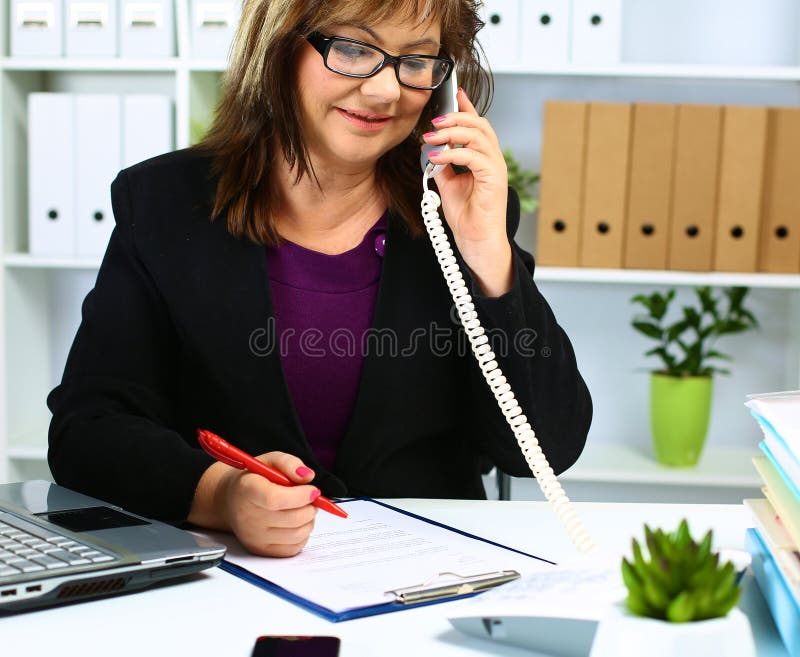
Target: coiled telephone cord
{"points": [[500, 388]]}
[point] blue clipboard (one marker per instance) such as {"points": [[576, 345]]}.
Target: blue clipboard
{"points": [[371, 610]]}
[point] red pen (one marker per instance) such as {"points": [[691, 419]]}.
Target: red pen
{"points": [[223, 451]]}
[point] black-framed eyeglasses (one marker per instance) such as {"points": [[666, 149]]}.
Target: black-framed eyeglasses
{"points": [[357, 59]]}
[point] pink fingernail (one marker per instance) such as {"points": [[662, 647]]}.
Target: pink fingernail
{"points": [[430, 134], [303, 471], [315, 494], [438, 119], [434, 154]]}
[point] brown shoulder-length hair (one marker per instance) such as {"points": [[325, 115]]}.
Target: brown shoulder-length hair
{"points": [[258, 112]]}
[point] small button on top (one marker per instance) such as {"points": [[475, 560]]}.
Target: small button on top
{"points": [[380, 244]]}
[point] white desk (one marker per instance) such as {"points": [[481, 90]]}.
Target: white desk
{"points": [[218, 615]]}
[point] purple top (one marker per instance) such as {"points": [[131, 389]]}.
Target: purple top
{"points": [[323, 305]]}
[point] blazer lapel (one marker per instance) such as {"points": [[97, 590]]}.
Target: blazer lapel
{"points": [[233, 334], [412, 296]]}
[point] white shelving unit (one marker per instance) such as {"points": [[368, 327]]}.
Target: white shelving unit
{"points": [[40, 297]]}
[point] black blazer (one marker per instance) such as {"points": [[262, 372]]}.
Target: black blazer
{"points": [[174, 336]]}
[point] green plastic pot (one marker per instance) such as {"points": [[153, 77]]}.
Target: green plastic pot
{"points": [[680, 408]]}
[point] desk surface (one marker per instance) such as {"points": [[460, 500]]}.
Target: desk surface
{"points": [[214, 613]]}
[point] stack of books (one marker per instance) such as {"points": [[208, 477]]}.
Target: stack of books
{"points": [[774, 542]]}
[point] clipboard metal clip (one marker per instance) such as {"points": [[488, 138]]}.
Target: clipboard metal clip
{"points": [[450, 585]]}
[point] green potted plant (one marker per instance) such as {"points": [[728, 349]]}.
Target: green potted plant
{"points": [[680, 390], [681, 600], [523, 181]]}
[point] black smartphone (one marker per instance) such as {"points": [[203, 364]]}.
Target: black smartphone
{"points": [[296, 646]]}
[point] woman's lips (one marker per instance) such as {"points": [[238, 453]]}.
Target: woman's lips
{"points": [[365, 121]]}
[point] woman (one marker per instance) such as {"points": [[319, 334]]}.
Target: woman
{"points": [[274, 285]]}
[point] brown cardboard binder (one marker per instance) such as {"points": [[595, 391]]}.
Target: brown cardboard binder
{"points": [[694, 189], [744, 139], [779, 249], [605, 185], [649, 186], [561, 184]]}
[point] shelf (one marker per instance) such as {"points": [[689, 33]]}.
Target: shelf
{"points": [[27, 452], [671, 71], [603, 463], [664, 71], [207, 65], [88, 64], [628, 464], [549, 274], [27, 261], [30, 447], [659, 277]]}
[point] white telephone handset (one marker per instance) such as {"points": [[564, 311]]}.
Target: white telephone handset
{"points": [[446, 101]]}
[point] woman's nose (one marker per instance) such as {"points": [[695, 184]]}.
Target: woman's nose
{"points": [[383, 86]]}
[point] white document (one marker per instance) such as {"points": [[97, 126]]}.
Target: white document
{"points": [[213, 24], [546, 33], [37, 28], [596, 31], [583, 589], [51, 174], [146, 127], [97, 162], [500, 36], [147, 28], [91, 28], [782, 411], [352, 562]]}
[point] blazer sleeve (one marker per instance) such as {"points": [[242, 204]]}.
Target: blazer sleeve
{"points": [[113, 413], [539, 363]]}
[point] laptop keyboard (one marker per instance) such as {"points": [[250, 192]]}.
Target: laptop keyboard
{"points": [[26, 548]]}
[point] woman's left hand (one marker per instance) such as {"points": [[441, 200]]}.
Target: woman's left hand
{"points": [[474, 203]]}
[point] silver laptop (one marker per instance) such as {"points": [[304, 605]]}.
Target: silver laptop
{"points": [[59, 546]]}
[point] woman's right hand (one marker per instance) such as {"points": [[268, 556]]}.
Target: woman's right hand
{"points": [[268, 519]]}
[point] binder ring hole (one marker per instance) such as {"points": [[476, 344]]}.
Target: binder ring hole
{"points": [[648, 229], [495, 19], [737, 232], [545, 19], [98, 216], [692, 231], [53, 214], [603, 227], [596, 19], [781, 232], [559, 225]]}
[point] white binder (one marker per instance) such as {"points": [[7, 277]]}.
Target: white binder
{"points": [[37, 28], [90, 28], [51, 174], [147, 28], [146, 127], [596, 31], [545, 33], [97, 162], [500, 36], [213, 24]]}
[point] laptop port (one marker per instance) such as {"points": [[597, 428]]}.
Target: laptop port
{"points": [[33, 589], [177, 559], [8, 592]]}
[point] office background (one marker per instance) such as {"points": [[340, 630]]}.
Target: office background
{"points": [[674, 51]]}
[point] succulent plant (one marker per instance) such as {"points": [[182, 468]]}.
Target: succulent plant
{"points": [[682, 581]]}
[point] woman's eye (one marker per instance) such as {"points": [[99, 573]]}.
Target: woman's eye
{"points": [[416, 64], [351, 51]]}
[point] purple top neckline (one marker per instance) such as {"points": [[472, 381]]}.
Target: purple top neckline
{"points": [[296, 266]]}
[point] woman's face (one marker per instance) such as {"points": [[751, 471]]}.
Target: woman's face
{"points": [[351, 122]]}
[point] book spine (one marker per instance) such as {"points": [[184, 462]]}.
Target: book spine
{"points": [[783, 606]]}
